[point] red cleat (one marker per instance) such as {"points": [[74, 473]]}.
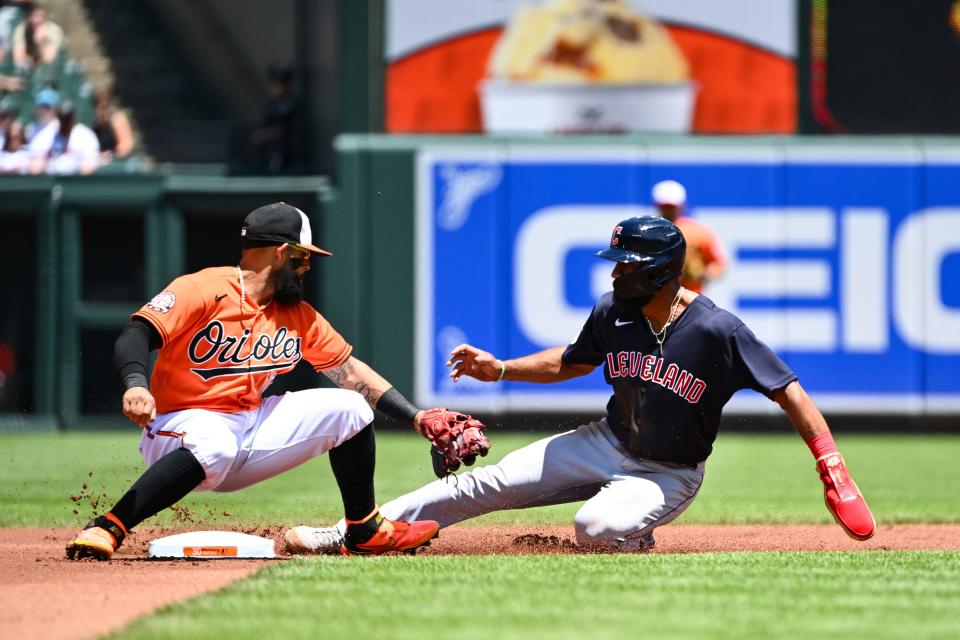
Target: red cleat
{"points": [[394, 535]]}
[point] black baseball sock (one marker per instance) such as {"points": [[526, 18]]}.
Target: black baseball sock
{"points": [[353, 464], [169, 479]]}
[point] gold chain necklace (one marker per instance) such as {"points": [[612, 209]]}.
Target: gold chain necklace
{"points": [[661, 336]]}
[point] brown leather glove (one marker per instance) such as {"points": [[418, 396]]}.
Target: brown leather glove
{"points": [[456, 438]]}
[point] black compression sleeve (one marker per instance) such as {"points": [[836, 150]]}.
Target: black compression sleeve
{"points": [[169, 479], [353, 463], [131, 352], [393, 404]]}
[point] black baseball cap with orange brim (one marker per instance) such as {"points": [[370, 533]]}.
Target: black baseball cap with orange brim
{"points": [[278, 223]]}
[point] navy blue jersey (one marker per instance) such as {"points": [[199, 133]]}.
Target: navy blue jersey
{"points": [[668, 407]]}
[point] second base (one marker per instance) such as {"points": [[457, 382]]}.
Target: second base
{"points": [[212, 545]]}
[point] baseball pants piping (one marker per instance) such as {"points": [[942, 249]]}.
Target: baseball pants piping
{"points": [[238, 450]]}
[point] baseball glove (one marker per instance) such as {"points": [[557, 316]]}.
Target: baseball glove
{"points": [[456, 438]]}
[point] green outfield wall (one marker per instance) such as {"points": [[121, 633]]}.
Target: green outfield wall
{"points": [[80, 254]]}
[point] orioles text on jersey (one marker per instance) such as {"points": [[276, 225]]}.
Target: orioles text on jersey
{"points": [[212, 344], [220, 352]]}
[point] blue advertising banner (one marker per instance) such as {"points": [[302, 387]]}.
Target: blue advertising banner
{"points": [[846, 261]]}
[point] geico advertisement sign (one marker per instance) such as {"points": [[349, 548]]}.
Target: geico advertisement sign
{"points": [[847, 265], [857, 278]]}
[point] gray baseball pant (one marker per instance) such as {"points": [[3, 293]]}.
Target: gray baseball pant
{"points": [[626, 497]]}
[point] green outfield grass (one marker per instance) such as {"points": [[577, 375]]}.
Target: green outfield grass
{"points": [[750, 479], [723, 595]]}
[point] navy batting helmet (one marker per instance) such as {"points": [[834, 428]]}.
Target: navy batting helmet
{"points": [[656, 244]]}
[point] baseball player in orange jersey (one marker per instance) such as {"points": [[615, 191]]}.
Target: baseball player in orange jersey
{"points": [[705, 260], [224, 334]]}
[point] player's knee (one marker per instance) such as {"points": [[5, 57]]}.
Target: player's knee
{"points": [[591, 536], [362, 410], [217, 470], [605, 527], [595, 531], [354, 407]]}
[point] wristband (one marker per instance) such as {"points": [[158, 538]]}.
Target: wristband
{"points": [[137, 379], [393, 404], [503, 369], [822, 445]]}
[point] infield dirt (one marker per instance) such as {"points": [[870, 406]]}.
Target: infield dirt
{"points": [[44, 595]]}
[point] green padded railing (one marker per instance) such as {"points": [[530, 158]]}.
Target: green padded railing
{"points": [[164, 205]]}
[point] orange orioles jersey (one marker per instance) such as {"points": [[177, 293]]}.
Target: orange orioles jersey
{"points": [[219, 357]]}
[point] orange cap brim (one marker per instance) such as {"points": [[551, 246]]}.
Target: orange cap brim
{"points": [[316, 250]]}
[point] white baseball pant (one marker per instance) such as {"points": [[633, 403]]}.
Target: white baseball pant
{"points": [[626, 497], [238, 450]]}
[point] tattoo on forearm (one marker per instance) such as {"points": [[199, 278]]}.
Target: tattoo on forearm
{"points": [[336, 376], [345, 377], [369, 394], [339, 375]]}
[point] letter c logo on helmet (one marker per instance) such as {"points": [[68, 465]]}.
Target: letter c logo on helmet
{"points": [[655, 244], [615, 238]]}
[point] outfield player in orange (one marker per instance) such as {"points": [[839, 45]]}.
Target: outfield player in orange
{"points": [[224, 334], [705, 260]]}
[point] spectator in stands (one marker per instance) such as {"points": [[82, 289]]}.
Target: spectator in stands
{"points": [[12, 13], [36, 41], [40, 132], [112, 127], [11, 84], [14, 155], [705, 260], [6, 119], [274, 138], [75, 149]]}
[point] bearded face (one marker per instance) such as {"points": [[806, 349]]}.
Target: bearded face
{"points": [[633, 291], [631, 305], [288, 285]]}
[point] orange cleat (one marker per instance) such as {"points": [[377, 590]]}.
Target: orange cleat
{"points": [[93, 542], [394, 535]]}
